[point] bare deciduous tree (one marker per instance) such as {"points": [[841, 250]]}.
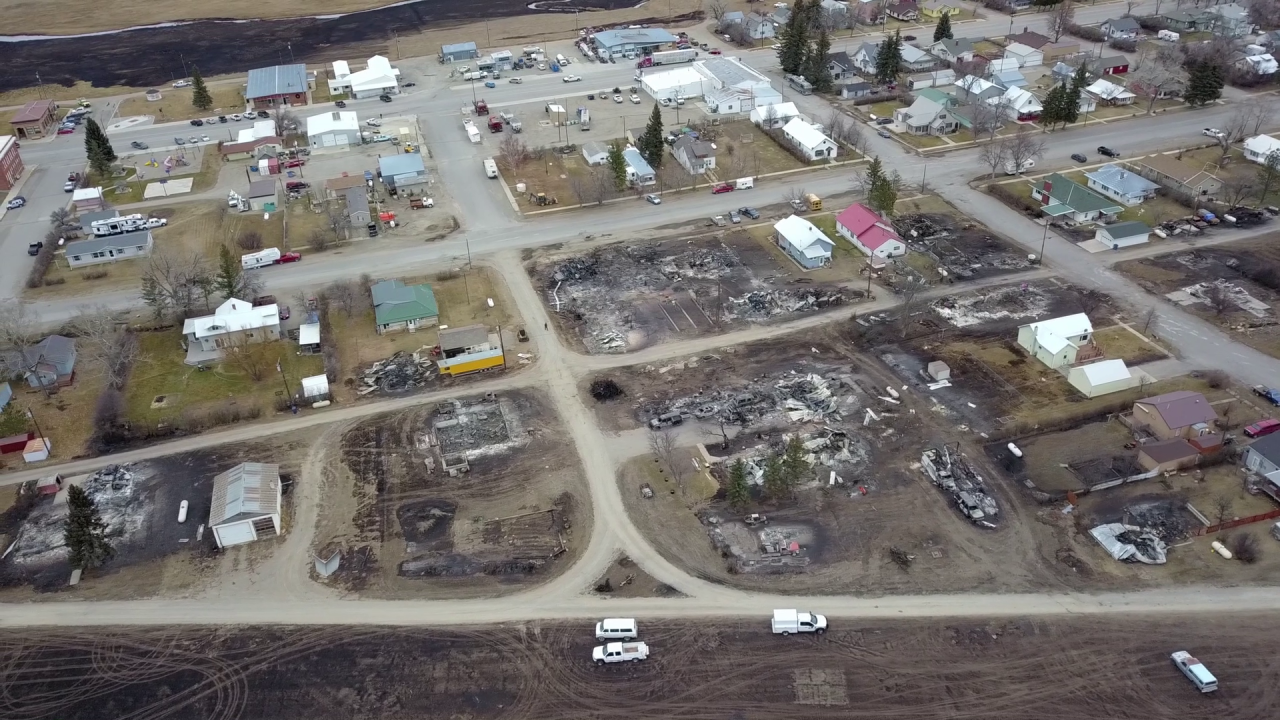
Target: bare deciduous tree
{"points": [[105, 343], [285, 121], [594, 186], [908, 290], [718, 8], [254, 359], [1235, 189], [1222, 505], [514, 152], [841, 129], [662, 443], [338, 220], [19, 335], [176, 281], [994, 156], [1159, 74], [987, 120], [1218, 298], [250, 240], [1023, 145], [1061, 18]]}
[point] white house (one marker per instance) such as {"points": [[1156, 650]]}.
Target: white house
{"points": [[774, 116], [809, 140], [695, 156], [235, 322], [1120, 184], [1123, 234], [1263, 64], [95, 251], [639, 172], [338, 129], [1110, 93], [378, 78], [1020, 105], [1056, 342], [1259, 148], [868, 232], [1102, 378], [595, 152], [1122, 28], [1026, 55], [246, 504], [803, 242]]}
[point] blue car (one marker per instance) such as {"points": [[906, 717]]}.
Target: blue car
{"points": [[491, 84]]}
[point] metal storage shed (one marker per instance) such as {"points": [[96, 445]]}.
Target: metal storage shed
{"points": [[246, 504]]}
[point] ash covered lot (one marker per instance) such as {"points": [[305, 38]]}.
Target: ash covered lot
{"points": [[1069, 668], [951, 247], [621, 298], [863, 515], [154, 553], [475, 494]]}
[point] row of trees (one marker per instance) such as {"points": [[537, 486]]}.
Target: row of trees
{"points": [[1062, 103], [803, 45], [98, 148]]}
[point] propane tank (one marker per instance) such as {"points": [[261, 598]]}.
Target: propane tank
{"points": [[1221, 549]]}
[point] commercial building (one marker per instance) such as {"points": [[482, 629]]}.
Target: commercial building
{"points": [[278, 85], [734, 87], [674, 84], [458, 52], [631, 42], [88, 199], [246, 504], [378, 78], [402, 170], [11, 166], [35, 120], [98, 250], [337, 130]]}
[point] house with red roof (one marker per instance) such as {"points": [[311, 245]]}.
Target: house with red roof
{"points": [[868, 232]]}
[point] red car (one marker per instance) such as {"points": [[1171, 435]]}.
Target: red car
{"points": [[1262, 427], [713, 51], [289, 257], [296, 186], [721, 188], [295, 163], [66, 131]]}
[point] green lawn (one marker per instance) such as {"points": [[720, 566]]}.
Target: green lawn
{"points": [[881, 109], [1154, 211], [161, 372], [922, 141]]}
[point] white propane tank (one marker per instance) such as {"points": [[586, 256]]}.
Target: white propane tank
{"points": [[182, 511], [520, 187], [1221, 549], [1017, 451], [892, 393]]}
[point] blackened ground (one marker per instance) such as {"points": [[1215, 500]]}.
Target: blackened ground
{"points": [[152, 57], [1064, 668]]}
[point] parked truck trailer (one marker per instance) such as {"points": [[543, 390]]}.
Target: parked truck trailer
{"points": [[667, 57], [473, 134]]}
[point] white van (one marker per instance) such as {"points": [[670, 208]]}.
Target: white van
{"points": [[1195, 671], [490, 168], [744, 183], [617, 629], [561, 60]]}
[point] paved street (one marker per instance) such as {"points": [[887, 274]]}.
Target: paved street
{"points": [[494, 235]]}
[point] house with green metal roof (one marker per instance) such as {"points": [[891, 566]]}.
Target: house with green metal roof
{"points": [[397, 306], [1068, 200]]}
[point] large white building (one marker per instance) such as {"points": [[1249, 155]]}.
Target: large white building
{"points": [[376, 79], [726, 84], [246, 504], [337, 129]]}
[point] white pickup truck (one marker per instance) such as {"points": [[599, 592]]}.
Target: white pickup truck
{"points": [[786, 622], [620, 652]]}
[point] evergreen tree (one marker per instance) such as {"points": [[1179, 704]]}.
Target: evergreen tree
{"points": [[200, 96], [85, 533], [794, 467], [739, 491], [1204, 85], [775, 479], [793, 40], [882, 195], [943, 29], [888, 59], [98, 148], [816, 70], [153, 297], [1069, 110], [1051, 115], [617, 166], [651, 145], [1080, 80], [227, 281]]}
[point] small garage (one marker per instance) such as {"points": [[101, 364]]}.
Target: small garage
{"points": [[333, 130], [246, 504]]}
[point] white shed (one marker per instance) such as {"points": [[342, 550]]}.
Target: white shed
{"points": [[1101, 378], [246, 504], [337, 129]]}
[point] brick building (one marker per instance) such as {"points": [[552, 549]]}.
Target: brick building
{"points": [[10, 162], [35, 120], [278, 85]]}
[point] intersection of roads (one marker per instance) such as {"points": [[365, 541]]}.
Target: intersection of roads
{"points": [[494, 235]]}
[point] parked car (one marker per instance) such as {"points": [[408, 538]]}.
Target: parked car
{"points": [[340, 103], [735, 217], [237, 117], [66, 130], [1079, 157], [222, 118], [263, 114], [571, 78], [193, 139], [635, 99], [296, 185], [296, 162], [653, 199], [289, 257], [384, 97], [488, 84], [34, 248], [182, 84], [197, 123], [617, 99], [714, 51], [750, 212], [373, 122], [1104, 150], [70, 186], [1213, 133], [884, 121], [516, 81], [542, 66], [16, 203], [204, 138], [156, 222], [1271, 395], [620, 652], [1262, 427], [884, 134], [721, 188], [179, 141], [409, 84]]}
